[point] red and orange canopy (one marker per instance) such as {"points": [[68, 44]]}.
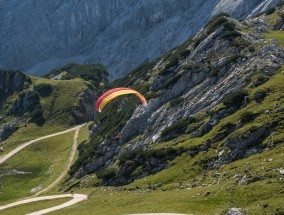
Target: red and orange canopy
{"points": [[116, 92]]}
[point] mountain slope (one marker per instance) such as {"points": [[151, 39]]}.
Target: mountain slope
{"points": [[213, 100], [119, 34], [29, 100]]}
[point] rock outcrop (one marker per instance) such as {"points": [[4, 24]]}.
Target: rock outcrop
{"points": [[10, 82], [7, 129]]}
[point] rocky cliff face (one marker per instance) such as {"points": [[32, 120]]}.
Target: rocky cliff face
{"points": [[205, 99], [10, 82], [37, 35]]}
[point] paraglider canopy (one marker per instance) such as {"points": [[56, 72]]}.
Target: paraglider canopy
{"points": [[114, 93]]}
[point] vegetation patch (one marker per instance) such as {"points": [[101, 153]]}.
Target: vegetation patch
{"points": [[175, 102], [230, 35], [170, 82], [177, 128], [44, 89], [95, 73], [230, 60], [276, 35], [40, 163], [235, 99]]}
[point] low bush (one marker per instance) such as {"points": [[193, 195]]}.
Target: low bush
{"points": [[270, 11], [173, 62], [170, 82], [280, 3], [230, 35], [235, 99], [37, 115], [44, 89], [176, 101], [185, 53], [220, 21], [281, 14], [106, 173], [230, 60], [130, 155], [178, 127], [139, 155], [188, 66], [259, 95], [247, 116], [151, 95]]}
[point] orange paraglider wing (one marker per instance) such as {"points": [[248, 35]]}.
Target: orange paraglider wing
{"points": [[114, 93]]}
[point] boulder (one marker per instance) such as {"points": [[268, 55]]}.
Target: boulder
{"points": [[7, 130], [235, 211]]}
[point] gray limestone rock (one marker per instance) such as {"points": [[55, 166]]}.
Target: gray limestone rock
{"points": [[38, 35]]}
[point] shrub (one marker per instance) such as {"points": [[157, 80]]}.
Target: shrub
{"points": [[176, 101], [160, 152], [247, 116], [151, 95], [130, 155], [170, 82], [178, 127], [140, 155], [230, 35], [106, 173], [230, 60], [44, 89], [199, 40], [281, 14], [259, 95], [95, 73], [185, 53], [173, 62], [188, 66], [218, 22], [37, 115], [280, 3], [33, 96], [270, 10], [251, 49], [235, 99]]}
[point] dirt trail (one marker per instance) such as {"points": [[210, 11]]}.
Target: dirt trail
{"points": [[75, 199], [68, 164], [24, 145]]}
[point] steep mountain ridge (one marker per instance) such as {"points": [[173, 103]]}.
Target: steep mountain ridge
{"points": [[118, 34], [209, 97]]}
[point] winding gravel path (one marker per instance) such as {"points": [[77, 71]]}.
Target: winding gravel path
{"points": [[68, 164], [75, 198], [24, 145]]}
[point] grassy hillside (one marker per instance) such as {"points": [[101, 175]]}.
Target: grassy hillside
{"points": [[34, 131], [208, 193], [34, 168], [62, 100], [278, 35], [32, 207]]}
